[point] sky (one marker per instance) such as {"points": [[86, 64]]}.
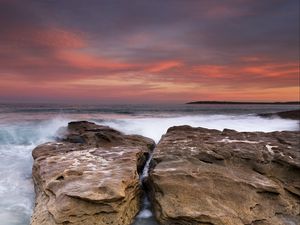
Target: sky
{"points": [[142, 51]]}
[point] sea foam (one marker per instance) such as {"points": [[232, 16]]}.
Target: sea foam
{"points": [[154, 128], [16, 186], [17, 140]]}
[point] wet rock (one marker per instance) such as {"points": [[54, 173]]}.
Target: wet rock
{"points": [[89, 177], [204, 176]]}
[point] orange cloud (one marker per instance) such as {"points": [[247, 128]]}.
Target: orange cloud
{"points": [[84, 60], [134, 89], [73, 72], [259, 69], [272, 70], [212, 70], [165, 65]]}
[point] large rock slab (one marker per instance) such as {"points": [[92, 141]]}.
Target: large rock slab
{"points": [[89, 177], [203, 176]]}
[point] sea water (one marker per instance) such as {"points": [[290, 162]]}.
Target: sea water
{"points": [[24, 126]]}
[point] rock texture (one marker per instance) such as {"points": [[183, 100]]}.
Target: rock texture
{"points": [[89, 177], [203, 176]]}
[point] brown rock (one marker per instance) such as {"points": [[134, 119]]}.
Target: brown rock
{"points": [[203, 176], [89, 177]]}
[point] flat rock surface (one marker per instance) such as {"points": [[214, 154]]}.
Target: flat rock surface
{"points": [[89, 177], [203, 176]]}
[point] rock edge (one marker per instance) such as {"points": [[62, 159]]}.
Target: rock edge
{"points": [[90, 176]]}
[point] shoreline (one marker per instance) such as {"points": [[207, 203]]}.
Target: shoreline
{"points": [[243, 103], [62, 172], [44, 130]]}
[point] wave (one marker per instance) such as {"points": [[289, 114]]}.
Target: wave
{"points": [[16, 186], [155, 127], [18, 139]]}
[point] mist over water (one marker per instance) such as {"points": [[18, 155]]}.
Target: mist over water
{"points": [[16, 186], [23, 127], [156, 127]]}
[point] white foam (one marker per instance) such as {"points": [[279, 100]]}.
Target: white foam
{"points": [[146, 213], [146, 168], [16, 186], [156, 127], [18, 140]]}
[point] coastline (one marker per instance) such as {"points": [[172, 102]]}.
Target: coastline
{"points": [[189, 165], [244, 103], [25, 128]]}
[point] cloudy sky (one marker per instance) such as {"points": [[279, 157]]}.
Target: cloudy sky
{"points": [[147, 51]]}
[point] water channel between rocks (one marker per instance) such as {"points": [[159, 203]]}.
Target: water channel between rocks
{"points": [[145, 216]]}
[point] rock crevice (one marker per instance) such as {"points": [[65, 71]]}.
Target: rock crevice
{"points": [[204, 176], [95, 175], [89, 176]]}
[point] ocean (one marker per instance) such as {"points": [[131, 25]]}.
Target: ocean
{"points": [[24, 126]]}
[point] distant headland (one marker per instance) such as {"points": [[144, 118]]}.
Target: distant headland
{"points": [[232, 103]]}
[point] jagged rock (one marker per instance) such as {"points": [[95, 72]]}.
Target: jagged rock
{"points": [[203, 176], [90, 176]]}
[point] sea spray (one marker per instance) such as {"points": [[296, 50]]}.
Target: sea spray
{"points": [[24, 127], [155, 127], [16, 186]]}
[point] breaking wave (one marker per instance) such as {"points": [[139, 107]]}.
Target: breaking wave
{"points": [[17, 140]]}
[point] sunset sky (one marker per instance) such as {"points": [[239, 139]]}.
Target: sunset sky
{"points": [[148, 51]]}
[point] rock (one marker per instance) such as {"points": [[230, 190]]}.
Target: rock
{"points": [[292, 114], [204, 176], [90, 176]]}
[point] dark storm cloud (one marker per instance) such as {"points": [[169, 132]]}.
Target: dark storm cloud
{"points": [[214, 28], [230, 27]]}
